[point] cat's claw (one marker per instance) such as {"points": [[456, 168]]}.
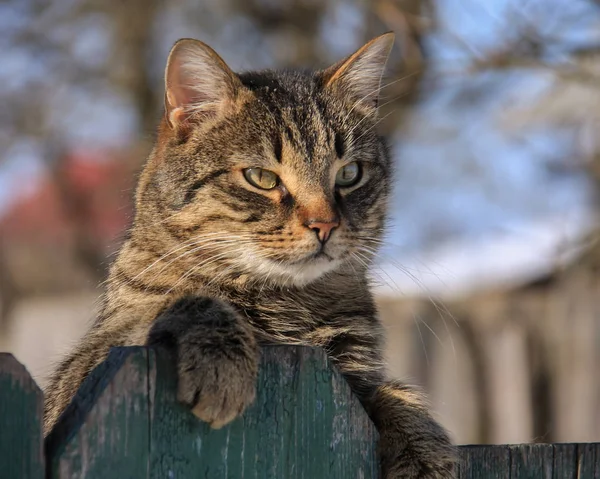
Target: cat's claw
{"points": [[218, 391]]}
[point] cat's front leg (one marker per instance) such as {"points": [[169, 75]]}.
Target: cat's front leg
{"points": [[217, 357], [412, 444]]}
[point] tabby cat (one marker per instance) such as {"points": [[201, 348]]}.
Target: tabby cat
{"points": [[258, 213]]}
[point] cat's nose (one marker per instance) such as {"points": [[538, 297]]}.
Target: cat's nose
{"points": [[323, 229]]}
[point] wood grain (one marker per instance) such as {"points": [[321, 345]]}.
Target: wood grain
{"points": [[21, 409], [531, 461], [126, 422], [104, 432]]}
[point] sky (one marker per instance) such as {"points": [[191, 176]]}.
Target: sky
{"points": [[506, 202]]}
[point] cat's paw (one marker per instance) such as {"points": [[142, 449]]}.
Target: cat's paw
{"points": [[434, 458], [412, 443], [217, 384], [217, 357]]}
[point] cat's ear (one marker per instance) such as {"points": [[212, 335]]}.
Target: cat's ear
{"points": [[359, 75], [198, 83]]}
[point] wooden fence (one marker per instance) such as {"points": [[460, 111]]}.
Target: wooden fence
{"points": [[305, 423]]}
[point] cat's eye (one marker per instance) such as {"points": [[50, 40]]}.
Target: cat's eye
{"points": [[348, 175], [261, 178]]}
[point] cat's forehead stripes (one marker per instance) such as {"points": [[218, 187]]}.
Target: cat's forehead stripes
{"points": [[291, 105]]}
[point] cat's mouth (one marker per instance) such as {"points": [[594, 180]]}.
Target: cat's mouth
{"points": [[317, 255], [299, 270]]}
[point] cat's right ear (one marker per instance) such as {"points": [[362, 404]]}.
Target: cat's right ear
{"points": [[198, 84], [359, 75]]}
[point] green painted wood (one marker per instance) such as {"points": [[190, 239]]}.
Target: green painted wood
{"points": [[484, 462], [305, 423], [588, 461], [104, 433], [531, 461], [565, 461], [126, 422], [21, 409]]}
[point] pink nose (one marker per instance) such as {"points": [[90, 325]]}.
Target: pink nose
{"points": [[323, 228]]}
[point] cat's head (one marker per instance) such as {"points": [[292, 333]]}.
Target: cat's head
{"points": [[278, 176]]}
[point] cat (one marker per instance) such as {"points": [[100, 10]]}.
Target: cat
{"points": [[258, 214]]}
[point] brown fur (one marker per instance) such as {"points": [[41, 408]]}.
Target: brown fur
{"points": [[215, 267]]}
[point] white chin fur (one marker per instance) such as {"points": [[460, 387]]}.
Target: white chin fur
{"points": [[285, 274]]}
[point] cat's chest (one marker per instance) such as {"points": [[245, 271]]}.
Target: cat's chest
{"points": [[283, 317]]}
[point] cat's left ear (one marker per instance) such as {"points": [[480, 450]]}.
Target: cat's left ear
{"points": [[359, 75], [198, 84]]}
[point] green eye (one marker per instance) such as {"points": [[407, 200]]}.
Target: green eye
{"points": [[348, 175], [263, 179]]}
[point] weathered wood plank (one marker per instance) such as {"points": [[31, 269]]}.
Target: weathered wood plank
{"points": [[565, 461], [105, 430], [531, 461], [126, 422], [305, 423], [588, 461], [484, 462], [21, 409]]}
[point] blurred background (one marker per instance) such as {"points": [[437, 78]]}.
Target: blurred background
{"points": [[489, 284]]}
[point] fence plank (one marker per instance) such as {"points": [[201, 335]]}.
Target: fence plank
{"points": [[479, 462], [531, 461], [565, 461], [588, 461], [305, 423], [105, 430], [21, 408], [126, 422]]}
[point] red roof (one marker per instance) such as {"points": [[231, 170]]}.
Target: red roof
{"points": [[100, 190]]}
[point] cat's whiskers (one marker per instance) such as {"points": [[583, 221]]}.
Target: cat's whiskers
{"points": [[387, 242], [207, 262], [373, 268], [349, 262], [440, 307], [203, 247], [348, 135], [267, 275], [221, 272], [416, 318], [368, 266], [372, 127], [246, 267], [353, 257], [196, 243], [360, 260], [185, 244], [375, 92]]}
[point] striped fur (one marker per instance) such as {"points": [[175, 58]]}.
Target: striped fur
{"points": [[215, 267]]}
